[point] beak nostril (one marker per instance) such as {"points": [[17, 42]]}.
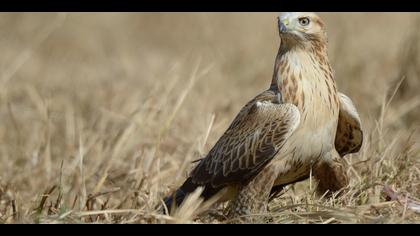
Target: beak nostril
{"points": [[283, 25], [282, 28]]}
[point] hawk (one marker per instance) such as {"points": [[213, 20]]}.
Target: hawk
{"points": [[300, 125]]}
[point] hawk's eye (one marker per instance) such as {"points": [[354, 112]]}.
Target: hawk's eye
{"points": [[304, 21]]}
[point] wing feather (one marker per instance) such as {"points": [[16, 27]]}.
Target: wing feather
{"points": [[349, 136], [252, 140]]}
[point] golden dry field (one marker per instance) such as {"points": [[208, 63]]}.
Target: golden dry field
{"points": [[101, 114]]}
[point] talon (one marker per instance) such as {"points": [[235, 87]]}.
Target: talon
{"points": [[279, 98]]}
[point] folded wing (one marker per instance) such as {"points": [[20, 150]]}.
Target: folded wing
{"points": [[252, 140], [349, 136]]}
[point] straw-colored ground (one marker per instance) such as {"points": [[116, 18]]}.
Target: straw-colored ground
{"points": [[101, 114]]}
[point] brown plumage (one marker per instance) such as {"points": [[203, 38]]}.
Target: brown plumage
{"points": [[300, 123], [349, 137], [255, 136]]}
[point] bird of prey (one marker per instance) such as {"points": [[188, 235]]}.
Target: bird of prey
{"points": [[300, 125]]}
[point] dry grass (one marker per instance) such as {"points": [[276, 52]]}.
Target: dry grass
{"points": [[101, 114]]}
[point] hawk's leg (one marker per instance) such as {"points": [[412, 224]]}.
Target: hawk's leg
{"points": [[331, 173], [252, 198]]}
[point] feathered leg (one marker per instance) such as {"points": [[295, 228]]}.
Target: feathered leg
{"points": [[252, 197], [331, 173]]}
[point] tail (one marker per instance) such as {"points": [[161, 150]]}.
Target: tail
{"points": [[175, 200]]}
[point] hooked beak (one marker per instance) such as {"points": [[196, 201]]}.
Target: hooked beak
{"points": [[283, 24]]}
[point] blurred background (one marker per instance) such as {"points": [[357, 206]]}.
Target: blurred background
{"points": [[121, 102]]}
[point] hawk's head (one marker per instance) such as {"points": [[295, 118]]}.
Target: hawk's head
{"points": [[301, 28]]}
